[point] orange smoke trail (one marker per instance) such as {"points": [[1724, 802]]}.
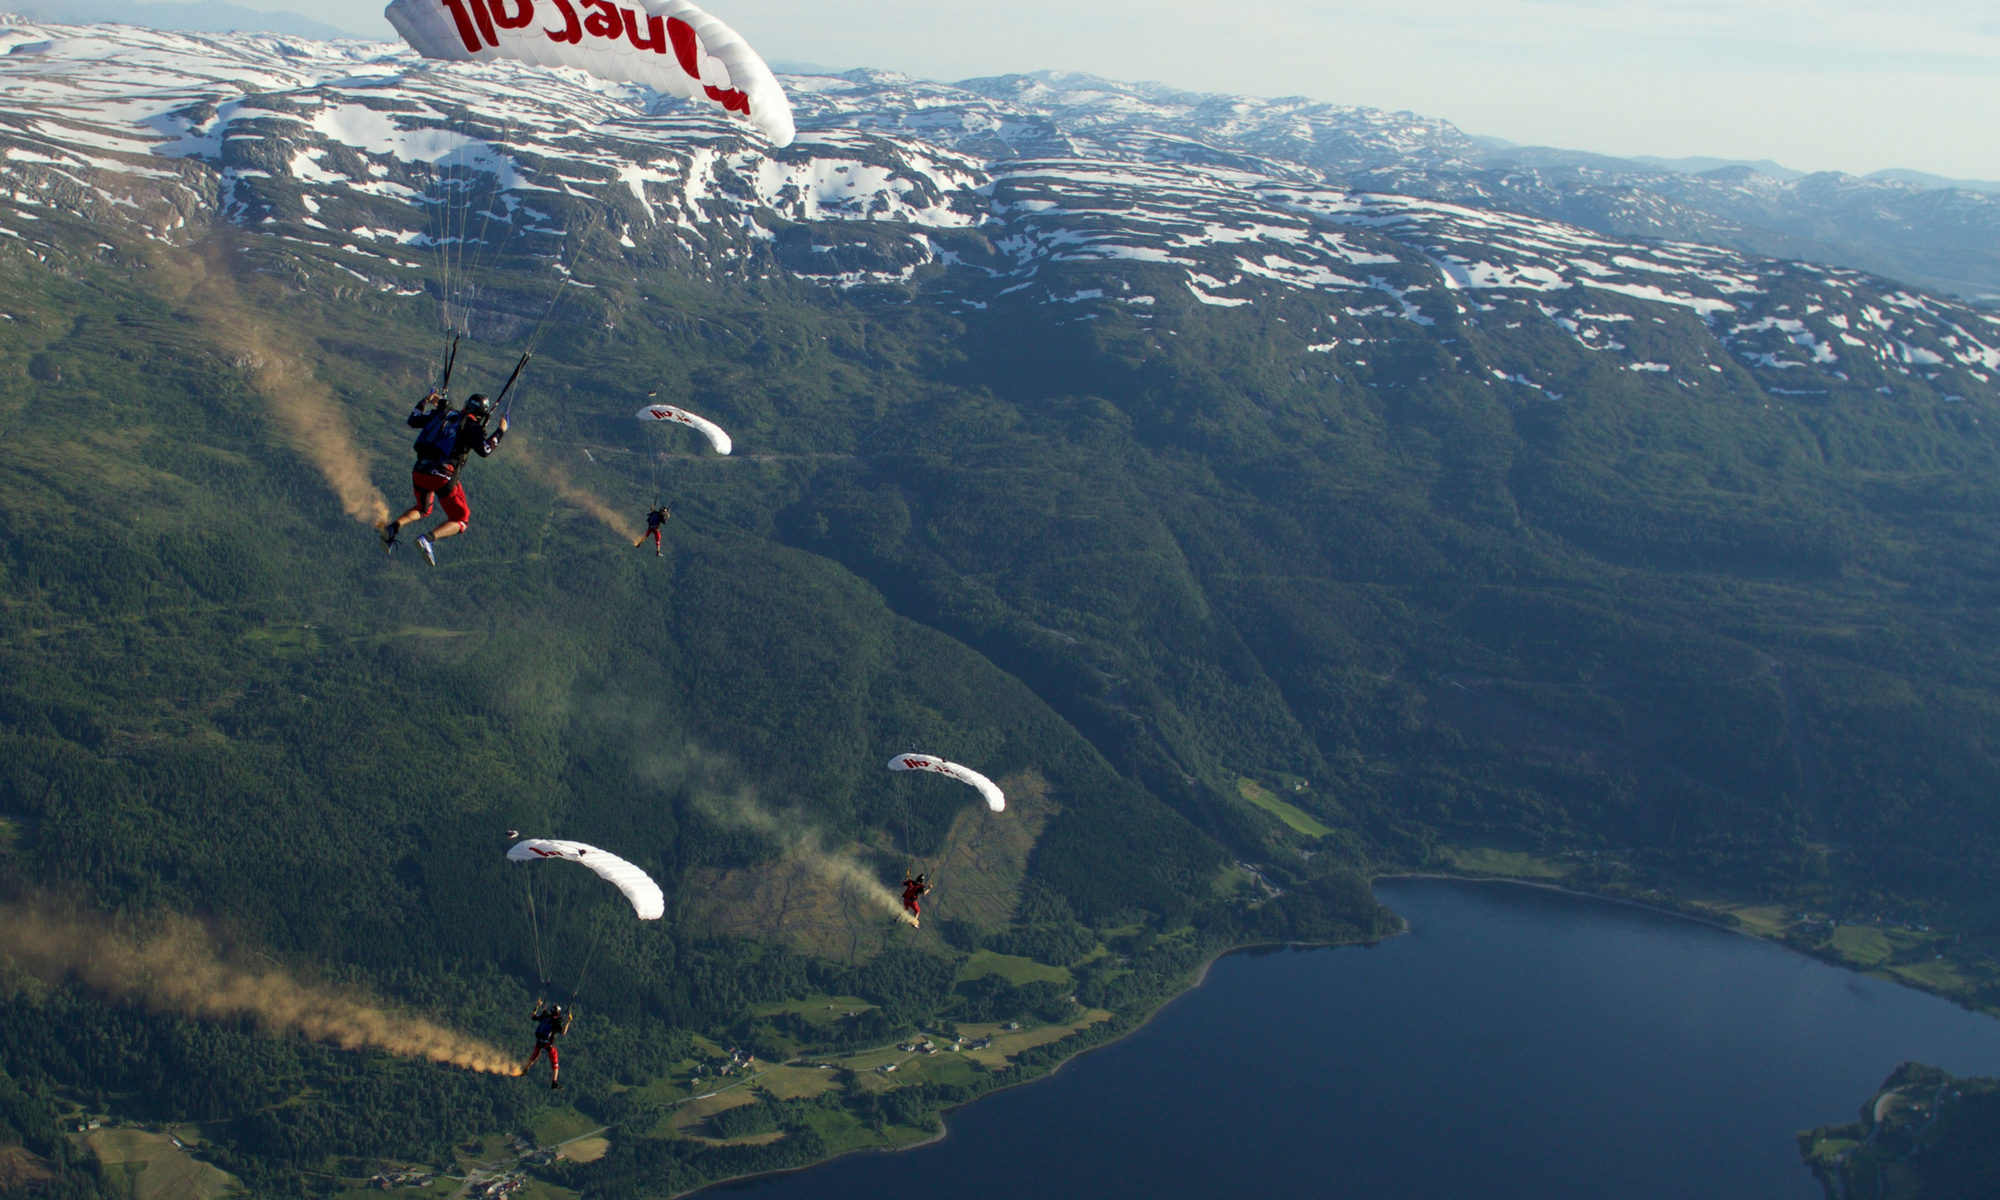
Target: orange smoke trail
{"points": [[178, 969], [803, 842], [558, 477], [307, 412]]}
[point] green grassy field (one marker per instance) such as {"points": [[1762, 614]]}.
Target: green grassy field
{"points": [[1514, 864], [155, 1169], [1761, 920], [1294, 817], [1014, 969], [817, 1008], [1862, 945], [553, 1125], [1940, 976]]}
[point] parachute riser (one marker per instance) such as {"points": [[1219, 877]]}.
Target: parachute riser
{"points": [[502, 399], [450, 357]]}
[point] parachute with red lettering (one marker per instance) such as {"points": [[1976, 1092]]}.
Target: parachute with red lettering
{"points": [[647, 900], [667, 45], [716, 435], [995, 798]]}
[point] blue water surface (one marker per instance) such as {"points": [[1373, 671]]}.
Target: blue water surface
{"points": [[1517, 1044]]}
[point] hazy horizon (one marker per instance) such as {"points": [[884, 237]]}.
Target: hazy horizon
{"points": [[1837, 85]]}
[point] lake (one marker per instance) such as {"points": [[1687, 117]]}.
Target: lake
{"points": [[1517, 1044]]}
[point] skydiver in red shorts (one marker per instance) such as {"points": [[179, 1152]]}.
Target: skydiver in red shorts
{"points": [[654, 520], [448, 437], [552, 1021]]}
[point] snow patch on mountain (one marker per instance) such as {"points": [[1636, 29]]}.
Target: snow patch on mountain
{"points": [[1022, 189]]}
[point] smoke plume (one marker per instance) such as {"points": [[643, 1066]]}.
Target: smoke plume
{"points": [[558, 477], [801, 841], [178, 968], [306, 411]]}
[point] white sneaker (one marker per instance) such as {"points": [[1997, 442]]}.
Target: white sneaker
{"points": [[425, 544]]}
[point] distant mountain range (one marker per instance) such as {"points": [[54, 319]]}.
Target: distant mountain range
{"points": [[994, 179], [193, 16], [1939, 234]]}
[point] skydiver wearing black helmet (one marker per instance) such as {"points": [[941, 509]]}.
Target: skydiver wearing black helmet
{"points": [[552, 1021], [447, 437]]}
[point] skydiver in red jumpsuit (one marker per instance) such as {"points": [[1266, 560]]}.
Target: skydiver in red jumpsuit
{"points": [[913, 892]]}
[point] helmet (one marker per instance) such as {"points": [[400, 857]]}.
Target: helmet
{"points": [[479, 404]]}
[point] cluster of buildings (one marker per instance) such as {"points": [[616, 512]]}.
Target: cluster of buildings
{"points": [[506, 1185], [738, 1062], [401, 1179]]}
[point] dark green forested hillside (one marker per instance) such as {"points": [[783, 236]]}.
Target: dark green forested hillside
{"points": [[1925, 1133], [1143, 569]]}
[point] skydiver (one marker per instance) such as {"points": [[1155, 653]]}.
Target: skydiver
{"points": [[448, 437], [654, 520], [554, 1022], [913, 892]]}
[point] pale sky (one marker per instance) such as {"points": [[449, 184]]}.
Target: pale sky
{"points": [[1849, 85]]}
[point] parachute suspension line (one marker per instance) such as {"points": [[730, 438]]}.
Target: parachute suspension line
{"points": [[477, 255], [535, 928], [909, 856], [457, 282], [444, 188], [482, 257], [457, 219], [951, 851], [556, 294], [589, 957], [450, 182], [436, 231], [562, 272]]}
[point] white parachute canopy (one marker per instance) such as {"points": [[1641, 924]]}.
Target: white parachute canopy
{"points": [[667, 45], [638, 886], [716, 435], [995, 798]]}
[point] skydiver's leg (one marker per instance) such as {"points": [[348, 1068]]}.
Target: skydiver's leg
{"points": [[420, 508], [555, 1067], [532, 1057], [456, 508]]}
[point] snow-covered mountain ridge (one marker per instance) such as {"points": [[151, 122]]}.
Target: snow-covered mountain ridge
{"points": [[1023, 190]]}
